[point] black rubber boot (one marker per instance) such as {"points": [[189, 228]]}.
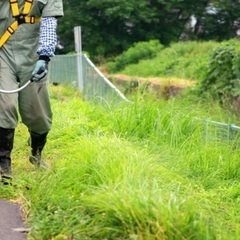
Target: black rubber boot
{"points": [[6, 146], [37, 143]]}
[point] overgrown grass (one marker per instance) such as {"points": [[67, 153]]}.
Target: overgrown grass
{"points": [[141, 170], [183, 60], [186, 60]]}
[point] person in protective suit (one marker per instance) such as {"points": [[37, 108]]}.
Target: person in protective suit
{"points": [[27, 43]]}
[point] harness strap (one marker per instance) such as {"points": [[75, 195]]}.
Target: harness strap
{"points": [[27, 7], [14, 8], [20, 19], [10, 30], [13, 27], [28, 19]]}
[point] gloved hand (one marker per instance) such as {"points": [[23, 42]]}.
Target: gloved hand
{"points": [[41, 70]]}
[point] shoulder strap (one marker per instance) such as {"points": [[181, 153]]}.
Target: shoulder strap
{"points": [[27, 7], [15, 8], [10, 30]]}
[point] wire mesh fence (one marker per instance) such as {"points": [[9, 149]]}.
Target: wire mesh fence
{"points": [[64, 69], [221, 132]]}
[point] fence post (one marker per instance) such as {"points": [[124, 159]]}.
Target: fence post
{"points": [[78, 49]]}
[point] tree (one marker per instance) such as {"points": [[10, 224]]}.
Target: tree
{"points": [[220, 21], [111, 26]]}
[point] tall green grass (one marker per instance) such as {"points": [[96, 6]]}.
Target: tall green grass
{"points": [[183, 60], [187, 60], [141, 170]]}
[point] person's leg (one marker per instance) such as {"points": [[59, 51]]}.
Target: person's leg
{"points": [[8, 119], [8, 102], [6, 146], [36, 114], [37, 143]]}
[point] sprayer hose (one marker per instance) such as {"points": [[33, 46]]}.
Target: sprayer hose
{"points": [[16, 90]]}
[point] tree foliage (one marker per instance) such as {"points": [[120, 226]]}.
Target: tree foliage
{"points": [[220, 21], [111, 26]]}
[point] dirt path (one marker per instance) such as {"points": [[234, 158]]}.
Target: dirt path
{"points": [[162, 86], [11, 224]]}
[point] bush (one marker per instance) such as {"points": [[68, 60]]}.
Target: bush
{"points": [[183, 60], [139, 51], [222, 78]]}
